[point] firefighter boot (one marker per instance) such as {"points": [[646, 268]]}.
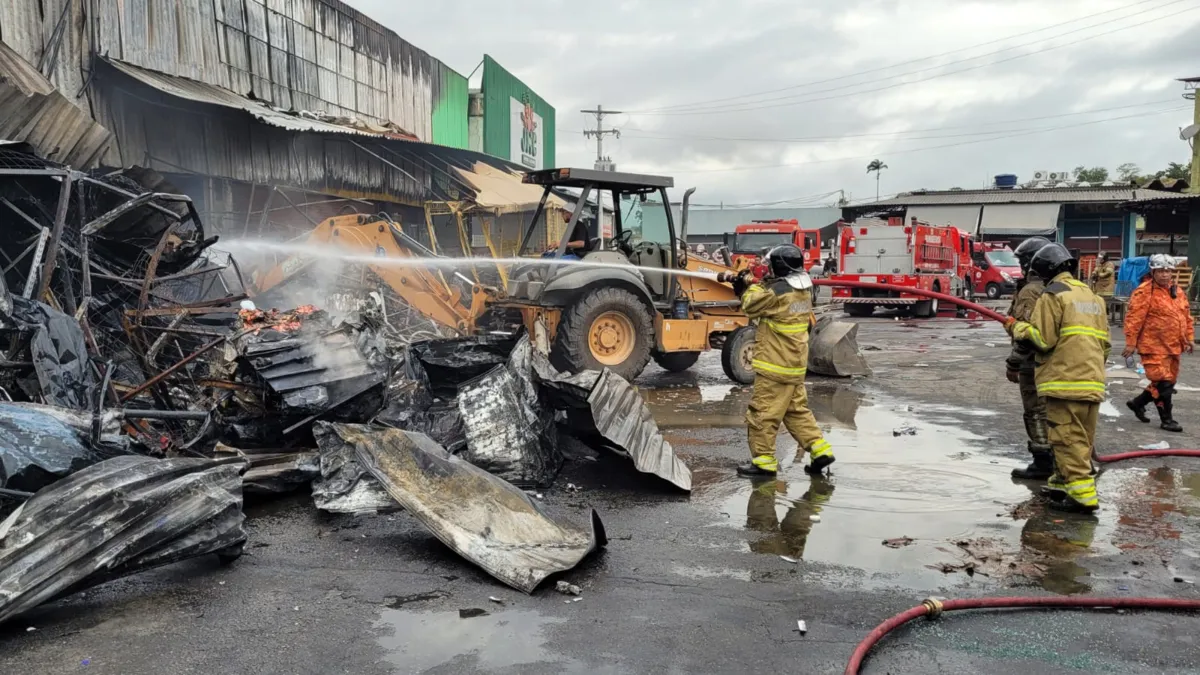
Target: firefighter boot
{"points": [[1166, 392], [821, 456], [1042, 466], [762, 466], [1138, 406]]}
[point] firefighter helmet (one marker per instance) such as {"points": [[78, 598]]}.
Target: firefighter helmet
{"points": [[1026, 250], [784, 260], [1161, 261], [1052, 260]]}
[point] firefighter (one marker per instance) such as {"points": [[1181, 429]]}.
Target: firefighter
{"points": [[1020, 365], [1159, 327], [1104, 279], [781, 304], [1069, 329]]}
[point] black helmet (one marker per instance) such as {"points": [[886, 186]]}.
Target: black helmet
{"points": [[784, 260], [1026, 250], [1052, 260]]}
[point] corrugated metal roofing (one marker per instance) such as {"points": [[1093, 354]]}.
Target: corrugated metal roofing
{"points": [[1017, 196], [34, 112], [214, 95]]}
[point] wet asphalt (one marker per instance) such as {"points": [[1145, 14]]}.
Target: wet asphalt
{"points": [[714, 582]]}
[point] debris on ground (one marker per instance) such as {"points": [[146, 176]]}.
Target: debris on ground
{"points": [[478, 515], [1161, 445], [568, 588], [116, 518], [898, 542], [906, 430], [472, 612]]}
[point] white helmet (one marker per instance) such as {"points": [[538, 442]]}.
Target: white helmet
{"points": [[700, 248], [1162, 261]]}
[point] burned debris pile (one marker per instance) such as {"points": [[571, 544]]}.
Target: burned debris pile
{"points": [[143, 392]]}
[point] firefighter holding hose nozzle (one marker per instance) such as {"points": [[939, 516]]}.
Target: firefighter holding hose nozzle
{"points": [[1069, 330], [1159, 327], [1020, 366], [782, 306]]}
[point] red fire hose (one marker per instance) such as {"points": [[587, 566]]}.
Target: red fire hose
{"points": [[933, 608], [991, 314]]}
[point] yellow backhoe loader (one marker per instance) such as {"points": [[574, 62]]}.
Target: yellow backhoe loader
{"points": [[617, 316]]}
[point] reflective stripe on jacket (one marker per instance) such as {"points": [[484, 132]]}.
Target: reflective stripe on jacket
{"points": [[784, 317], [1069, 329], [1156, 323]]}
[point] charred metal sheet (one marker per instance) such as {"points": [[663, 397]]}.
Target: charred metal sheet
{"points": [[605, 409], [115, 518], [57, 351], [509, 432], [344, 486], [37, 449], [276, 473], [481, 517], [444, 364]]}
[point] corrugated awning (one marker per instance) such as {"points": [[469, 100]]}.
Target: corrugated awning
{"points": [[501, 191], [964, 217], [1020, 219]]}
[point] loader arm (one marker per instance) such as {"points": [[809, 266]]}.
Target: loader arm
{"points": [[399, 267]]}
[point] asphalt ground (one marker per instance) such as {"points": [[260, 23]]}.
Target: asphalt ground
{"points": [[714, 582]]}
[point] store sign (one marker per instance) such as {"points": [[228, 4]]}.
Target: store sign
{"points": [[526, 134]]}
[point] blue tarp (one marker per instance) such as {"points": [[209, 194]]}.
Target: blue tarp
{"points": [[1131, 273]]}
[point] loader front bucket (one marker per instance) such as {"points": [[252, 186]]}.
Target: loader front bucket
{"points": [[833, 349]]}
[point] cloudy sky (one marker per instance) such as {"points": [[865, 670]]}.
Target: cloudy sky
{"points": [[765, 100]]}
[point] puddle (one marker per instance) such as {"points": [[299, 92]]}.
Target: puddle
{"points": [[710, 573], [416, 642], [715, 406]]}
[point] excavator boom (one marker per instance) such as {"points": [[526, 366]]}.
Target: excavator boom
{"points": [[399, 266]]}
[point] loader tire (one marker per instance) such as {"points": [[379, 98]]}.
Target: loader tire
{"points": [[605, 328], [676, 362], [736, 354]]}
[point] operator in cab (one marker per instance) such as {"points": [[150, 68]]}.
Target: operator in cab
{"points": [[1020, 366], [1069, 330], [781, 305]]}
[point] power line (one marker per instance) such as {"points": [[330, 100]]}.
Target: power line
{"points": [[894, 65], [933, 147], [752, 106]]}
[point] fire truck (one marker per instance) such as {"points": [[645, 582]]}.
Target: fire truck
{"points": [[751, 239], [995, 270], [917, 255]]}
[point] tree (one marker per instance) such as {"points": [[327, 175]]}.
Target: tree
{"points": [[877, 166], [1127, 172], [1096, 174], [1177, 171]]}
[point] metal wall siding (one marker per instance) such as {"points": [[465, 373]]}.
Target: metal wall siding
{"points": [[499, 86], [449, 118]]}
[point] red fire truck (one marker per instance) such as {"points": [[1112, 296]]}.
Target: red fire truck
{"points": [[986, 268], [749, 240], [917, 255]]}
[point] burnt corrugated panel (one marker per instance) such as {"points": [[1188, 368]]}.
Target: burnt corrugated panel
{"points": [[21, 28], [33, 111]]}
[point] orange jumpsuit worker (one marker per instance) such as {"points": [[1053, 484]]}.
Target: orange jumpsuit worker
{"points": [[782, 306], [1069, 329], [1158, 326]]}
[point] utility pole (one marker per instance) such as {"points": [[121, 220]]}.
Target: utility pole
{"points": [[602, 163]]}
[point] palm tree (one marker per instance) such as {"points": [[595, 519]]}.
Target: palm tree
{"points": [[877, 166]]}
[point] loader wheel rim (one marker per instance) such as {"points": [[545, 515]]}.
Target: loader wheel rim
{"points": [[611, 338]]}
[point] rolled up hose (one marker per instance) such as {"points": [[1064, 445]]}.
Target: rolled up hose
{"points": [[866, 285], [933, 608]]}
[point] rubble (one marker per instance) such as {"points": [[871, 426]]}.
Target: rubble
{"points": [[481, 517], [116, 518], [37, 449]]}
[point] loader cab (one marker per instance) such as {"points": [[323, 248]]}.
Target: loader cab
{"points": [[643, 230]]}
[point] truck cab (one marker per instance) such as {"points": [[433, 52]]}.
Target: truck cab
{"points": [[751, 239], [995, 270]]}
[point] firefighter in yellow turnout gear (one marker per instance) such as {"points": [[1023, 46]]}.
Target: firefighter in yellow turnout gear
{"points": [[1069, 330], [1020, 367], [782, 306]]}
